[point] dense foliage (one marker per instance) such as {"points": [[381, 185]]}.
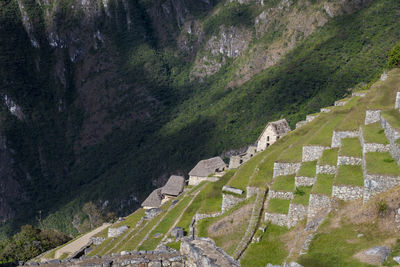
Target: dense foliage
{"points": [[29, 243], [394, 57]]}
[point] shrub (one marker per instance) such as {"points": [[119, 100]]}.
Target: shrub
{"points": [[382, 208], [394, 57]]}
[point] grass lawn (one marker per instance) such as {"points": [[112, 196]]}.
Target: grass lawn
{"points": [[151, 242], [351, 147], [355, 117], [373, 133], [283, 183], [302, 195], [323, 185], [381, 163], [175, 245], [276, 205], [269, 250], [323, 136], [308, 169], [350, 175], [329, 157], [393, 117], [241, 179]]}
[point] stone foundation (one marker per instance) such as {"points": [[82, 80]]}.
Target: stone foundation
{"points": [[337, 137], [347, 192], [372, 116], [282, 168], [311, 153], [279, 194], [304, 181], [344, 160], [229, 201], [317, 204], [326, 169]]}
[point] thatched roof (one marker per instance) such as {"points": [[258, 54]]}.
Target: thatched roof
{"points": [[280, 127], [207, 166], [174, 186], [154, 199]]}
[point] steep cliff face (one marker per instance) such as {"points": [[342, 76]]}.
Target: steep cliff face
{"points": [[101, 99]]}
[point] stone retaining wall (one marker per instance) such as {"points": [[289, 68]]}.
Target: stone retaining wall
{"points": [[304, 181], [337, 137], [229, 201], [310, 118], [279, 194], [114, 232], [300, 123], [374, 184], [296, 213], [316, 204], [397, 103], [372, 116], [251, 191], [372, 147], [344, 160], [285, 168], [340, 103], [362, 94], [311, 153], [347, 192], [277, 218], [392, 135], [326, 169], [325, 110]]}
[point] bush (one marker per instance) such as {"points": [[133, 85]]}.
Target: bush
{"points": [[394, 57]]}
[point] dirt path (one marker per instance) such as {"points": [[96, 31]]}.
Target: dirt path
{"points": [[80, 242]]}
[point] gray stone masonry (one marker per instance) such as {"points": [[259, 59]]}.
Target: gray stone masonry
{"points": [[251, 191], [397, 104], [344, 160], [325, 110], [340, 103], [392, 135], [97, 240], [397, 218], [362, 94], [372, 116], [326, 169], [276, 218], [233, 190], [229, 201], [300, 123], [316, 204], [311, 153], [304, 181], [347, 192], [372, 147], [337, 137], [279, 194], [374, 184], [114, 232], [310, 118], [283, 168], [295, 215]]}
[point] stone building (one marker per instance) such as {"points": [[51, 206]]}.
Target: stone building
{"points": [[237, 160], [205, 168], [173, 188], [153, 200], [272, 132]]}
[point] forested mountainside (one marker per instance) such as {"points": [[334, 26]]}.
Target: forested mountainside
{"points": [[102, 100]]}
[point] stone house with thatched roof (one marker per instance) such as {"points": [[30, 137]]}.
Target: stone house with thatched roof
{"points": [[153, 200], [205, 168], [173, 188], [271, 133]]}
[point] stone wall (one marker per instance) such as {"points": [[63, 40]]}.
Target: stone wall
{"points": [[230, 189], [96, 240], [310, 118], [234, 162], [316, 204], [267, 138], [374, 184], [340, 103], [276, 218], [325, 110], [229, 201], [344, 160], [337, 137], [300, 123], [114, 232], [326, 169], [279, 194], [295, 215], [372, 147], [347, 192], [195, 180], [251, 191], [311, 153], [283, 168], [392, 135], [304, 181], [362, 94], [397, 104], [372, 116]]}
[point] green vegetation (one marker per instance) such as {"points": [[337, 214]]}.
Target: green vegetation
{"points": [[244, 173], [394, 57], [283, 183], [393, 117], [175, 245], [351, 147], [381, 163], [276, 205], [349, 175], [373, 133], [323, 185], [329, 157], [302, 195], [270, 250], [308, 169], [323, 137]]}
